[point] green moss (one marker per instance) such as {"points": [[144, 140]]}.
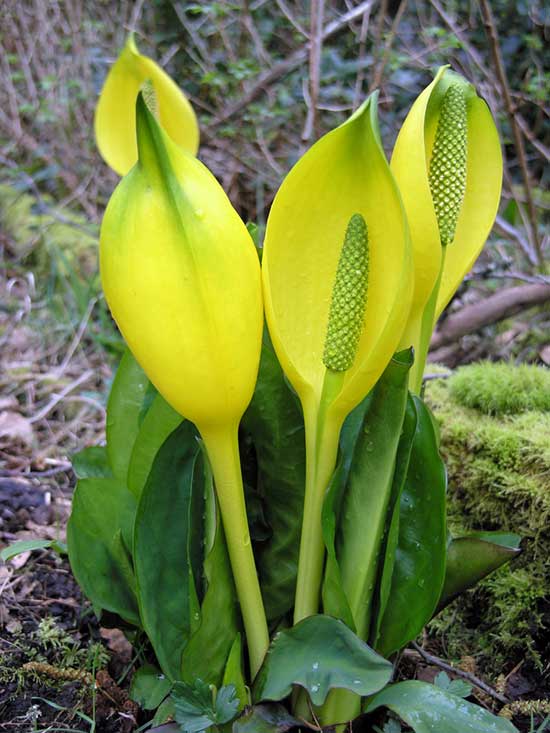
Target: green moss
{"points": [[500, 389], [499, 478], [48, 236]]}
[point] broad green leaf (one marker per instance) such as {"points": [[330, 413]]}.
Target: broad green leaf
{"points": [[335, 602], [102, 515], [149, 687], [275, 423], [419, 567], [265, 719], [364, 508], [320, 653], [197, 709], [92, 463], [233, 673], [206, 653], [471, 558], [165, 712], [429, 709], [162, 553], [17, 548], [392, 533], [124, 412], [158, 423]]}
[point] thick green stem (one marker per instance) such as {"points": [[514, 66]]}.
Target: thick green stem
{"points": [[322, 435], [363, 516], [426, 331], [223, 451], [340, 707]]}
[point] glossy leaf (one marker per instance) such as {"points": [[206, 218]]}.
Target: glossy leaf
{"points": [[319, 654], [197, 709], [429, 709], [368, 490], [419, 567], [124, 413], [207, 650], [233, 673], [392, 532], [103, 512], [275, 425], [21, 546], [92, 462], [265, 719], [115, 126], [164, 713], [335, 602], [162, 552], [471, 558], [158, 423], [149, 687]]}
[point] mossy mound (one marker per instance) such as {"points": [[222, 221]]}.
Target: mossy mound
{"points": [[499, 478], [500, 389]]}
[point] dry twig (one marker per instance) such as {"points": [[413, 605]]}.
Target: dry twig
{"points": [[432, 659]]}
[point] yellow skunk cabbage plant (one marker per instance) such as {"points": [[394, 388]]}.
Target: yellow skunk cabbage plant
{"points": [[115, 126], [268, 516], [337, 274], [182, 279], [448, 165]]}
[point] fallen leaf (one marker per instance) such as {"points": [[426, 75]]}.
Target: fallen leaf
{"points": [[117, 643], [15, 427], [18, 561], [544, 354], [8, 403]]}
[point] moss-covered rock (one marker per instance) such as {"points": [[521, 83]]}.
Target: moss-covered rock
{"points": [[499, 478], [48, 236]]}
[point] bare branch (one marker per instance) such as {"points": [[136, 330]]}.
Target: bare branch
{"points": [[492, 35], [266, 78], [480, 684], [503, 304]]}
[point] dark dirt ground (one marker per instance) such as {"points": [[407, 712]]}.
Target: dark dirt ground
{"points": [[53, 673]]}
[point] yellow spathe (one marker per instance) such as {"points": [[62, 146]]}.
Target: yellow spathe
{"points": [[115, 125], [343, 174], [182, 279], [410, 165]]}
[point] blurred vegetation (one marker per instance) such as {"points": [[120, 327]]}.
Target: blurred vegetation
{"points": [[263, 97]]}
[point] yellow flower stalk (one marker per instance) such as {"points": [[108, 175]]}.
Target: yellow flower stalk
{"points": [[337, 277], [448, 165], [115, 125], [182, 279]]}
